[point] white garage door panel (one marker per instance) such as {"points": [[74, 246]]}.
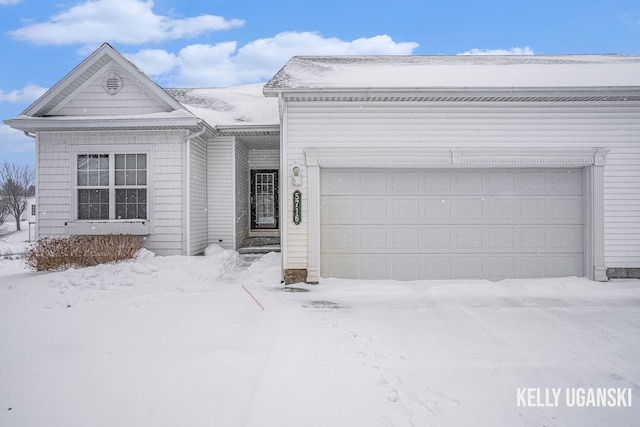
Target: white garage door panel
{"points": [[460, 239], [434, 224], [440, 267]]}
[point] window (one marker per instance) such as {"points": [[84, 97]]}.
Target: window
{"points": [[131, 186], [112, 186], [33, 210], [93, 172]]}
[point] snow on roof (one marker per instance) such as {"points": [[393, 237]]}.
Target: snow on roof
{"points": [[165, 119], [239, 105], [463, 71], [176, 114]]}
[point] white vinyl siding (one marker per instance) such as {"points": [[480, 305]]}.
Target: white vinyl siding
{"points": [[91, 99], [53, 183], [221, 192], [622, 203], [168, 199], [264, 159], [451, 125], [55, 161], [198, 193]]}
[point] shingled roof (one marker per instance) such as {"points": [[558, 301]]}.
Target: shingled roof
{"points": [[463, 71]]}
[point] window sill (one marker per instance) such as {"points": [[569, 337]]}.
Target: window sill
{"points": [[136, 227]]}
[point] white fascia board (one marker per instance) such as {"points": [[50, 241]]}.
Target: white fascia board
{"points": [[444, 92], [259, 129], [57, 88], [32, 124]]}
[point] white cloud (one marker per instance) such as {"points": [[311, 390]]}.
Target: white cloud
{"points": [[9, 2], [154, 61], [207, 63], [124, 21], [629, 20], [512, 51], [14, 141], [224, 64], [271, 53], [26, 95]]}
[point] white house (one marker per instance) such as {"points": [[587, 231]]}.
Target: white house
{"points": [[115, 153], [29, 214], [372, 167]]}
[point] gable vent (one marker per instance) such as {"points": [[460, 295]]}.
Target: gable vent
{"points": [[112, 84]]}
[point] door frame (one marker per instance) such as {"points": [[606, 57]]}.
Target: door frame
{"points": [[253, 226]]}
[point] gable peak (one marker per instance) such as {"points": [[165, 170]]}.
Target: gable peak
{"points": [[112, 67]]}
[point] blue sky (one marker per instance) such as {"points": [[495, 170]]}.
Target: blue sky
{"points": [[196, 43]]}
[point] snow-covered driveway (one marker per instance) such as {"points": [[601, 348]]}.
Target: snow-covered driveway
{"points": [[176, 341]]}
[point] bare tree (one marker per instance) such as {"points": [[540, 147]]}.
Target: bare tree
{"points": [[16, 182], [4, 209]]}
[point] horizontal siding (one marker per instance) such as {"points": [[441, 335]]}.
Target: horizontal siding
{"points": [[92, 100], [445, 125], [168, 194], [198, 203], [55, 184], [297, 248], [441, 126], [264, 159], [622, 202], [164, 220], [220, 157]]}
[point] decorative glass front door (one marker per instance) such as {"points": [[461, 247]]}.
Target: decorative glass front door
{"points": [[264, 199]]}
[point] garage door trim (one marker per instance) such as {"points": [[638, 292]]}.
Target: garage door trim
{"points": [[592, 159]]}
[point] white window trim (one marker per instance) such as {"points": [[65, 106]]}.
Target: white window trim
{"points": [[591, 159], [77, 226]]}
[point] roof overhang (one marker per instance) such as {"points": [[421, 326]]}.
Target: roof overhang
{"points": [[254, 137], [149, 122], [247, 130], [460, 94]]}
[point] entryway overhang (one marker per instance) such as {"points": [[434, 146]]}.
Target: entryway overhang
{"points": [[257, 136], [257, 157]]}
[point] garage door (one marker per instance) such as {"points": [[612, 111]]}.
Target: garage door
{"points": [[451, 224]]}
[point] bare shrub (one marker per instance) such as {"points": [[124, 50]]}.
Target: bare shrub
{"points": [[61, 253]]}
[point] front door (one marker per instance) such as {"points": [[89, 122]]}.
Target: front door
{"points": [[264, 199]]}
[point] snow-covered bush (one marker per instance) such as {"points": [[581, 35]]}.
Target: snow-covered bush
{"points": [[50, 254], [220, 260]]}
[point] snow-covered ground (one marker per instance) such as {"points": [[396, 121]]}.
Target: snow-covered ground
{"points": [[178, 341]]}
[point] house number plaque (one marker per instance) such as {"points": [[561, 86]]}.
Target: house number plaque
{"points": [[297, 207]]}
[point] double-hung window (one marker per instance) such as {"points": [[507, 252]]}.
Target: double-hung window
{"points": [[112, 186]]}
